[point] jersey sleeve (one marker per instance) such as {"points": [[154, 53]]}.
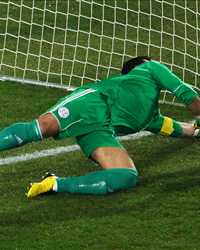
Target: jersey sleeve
{"points": [[169, 81], [165, 126]]}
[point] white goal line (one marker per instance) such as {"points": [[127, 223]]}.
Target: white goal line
{"points": [[60, 150]]}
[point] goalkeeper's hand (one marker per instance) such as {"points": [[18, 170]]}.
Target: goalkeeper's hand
{"points": [[197, 127]]}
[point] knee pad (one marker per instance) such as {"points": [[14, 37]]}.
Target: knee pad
{"points": [[26, 132], [19, 134], [121, 178]]}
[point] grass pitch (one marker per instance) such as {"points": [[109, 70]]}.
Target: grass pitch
{"points": [[162, 212], [34, 44]]}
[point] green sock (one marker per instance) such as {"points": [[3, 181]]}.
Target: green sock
{"points": [[19, 134], [99, 182]]}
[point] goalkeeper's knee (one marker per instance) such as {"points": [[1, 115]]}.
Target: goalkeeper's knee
{"points": [[19, 134], [120, 179]]}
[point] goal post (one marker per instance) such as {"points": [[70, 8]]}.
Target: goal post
{"points": [[67, 43]]}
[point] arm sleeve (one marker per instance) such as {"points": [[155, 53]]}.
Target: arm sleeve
{"points": [[169, 81], [165, 126]]}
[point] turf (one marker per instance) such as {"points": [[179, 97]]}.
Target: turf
{"points": [[91, 49], [162, 212]]}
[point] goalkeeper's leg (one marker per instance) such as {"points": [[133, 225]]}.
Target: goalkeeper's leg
{"points": [[118, 172], [19, 134], [169, 127]]}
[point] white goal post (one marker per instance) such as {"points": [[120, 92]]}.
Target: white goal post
{"points": [[67, 43]]}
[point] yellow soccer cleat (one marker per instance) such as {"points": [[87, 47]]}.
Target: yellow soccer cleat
{"points": [[42, 187]]}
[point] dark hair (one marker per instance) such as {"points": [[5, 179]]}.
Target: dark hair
{"points": [[132, 63]]}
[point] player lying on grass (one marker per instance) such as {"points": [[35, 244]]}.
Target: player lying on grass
{"points": [[96, 113]]}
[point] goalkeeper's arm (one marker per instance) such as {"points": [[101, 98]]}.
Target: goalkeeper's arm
{"points": [[169, 127], [167, 80]]}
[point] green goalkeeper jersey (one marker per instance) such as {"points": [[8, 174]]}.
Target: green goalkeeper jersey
{"points": [[132, 99]]}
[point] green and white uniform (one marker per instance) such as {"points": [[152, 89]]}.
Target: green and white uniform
{"points": [[122, 104]]}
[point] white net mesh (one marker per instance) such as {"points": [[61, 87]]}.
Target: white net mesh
{"points": [[72, 42]]}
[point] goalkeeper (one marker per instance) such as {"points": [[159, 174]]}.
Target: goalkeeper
{"points": [[96, 113]]}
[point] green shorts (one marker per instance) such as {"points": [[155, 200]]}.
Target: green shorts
{"points": [[84, 115], [95, 139]]}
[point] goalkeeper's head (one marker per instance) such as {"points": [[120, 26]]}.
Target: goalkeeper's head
{"points": [[132, 63]]}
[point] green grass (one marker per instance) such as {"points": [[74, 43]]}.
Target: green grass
{"points": [[162, 212], [98, 47]]}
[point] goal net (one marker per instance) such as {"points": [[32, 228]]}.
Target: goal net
{"points": [[67, 43]]}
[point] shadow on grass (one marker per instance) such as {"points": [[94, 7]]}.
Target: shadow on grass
{"points": [[153, 189], [162, 151], [182, 171]]}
